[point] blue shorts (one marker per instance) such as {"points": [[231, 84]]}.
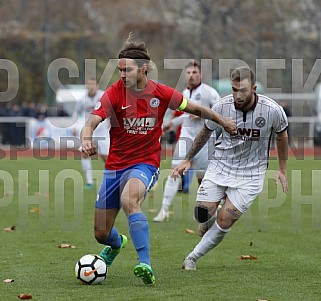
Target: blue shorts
{"points": [[114, 181]]}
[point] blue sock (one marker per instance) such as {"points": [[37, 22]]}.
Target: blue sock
{"points": [[139, 232], [114, 239]]}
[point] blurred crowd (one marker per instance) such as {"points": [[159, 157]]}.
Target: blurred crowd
{"points": [[13, 133], [26, 109]]}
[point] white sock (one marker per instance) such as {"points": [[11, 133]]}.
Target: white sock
{"points": [[170, 190], [87, 168], [209, 241]]}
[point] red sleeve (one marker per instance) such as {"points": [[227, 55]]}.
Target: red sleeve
{"points": [[103, 108], [107, 99], [176, 99], [98, 110]]}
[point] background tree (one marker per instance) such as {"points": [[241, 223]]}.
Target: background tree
{"points": [[34, 33]]}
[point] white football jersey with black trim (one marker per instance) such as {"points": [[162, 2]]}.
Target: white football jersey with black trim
{"points": [[203, 95], [245, 155]]}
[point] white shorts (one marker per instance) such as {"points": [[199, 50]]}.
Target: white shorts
{"points": [[200, 161], [241, 192]]}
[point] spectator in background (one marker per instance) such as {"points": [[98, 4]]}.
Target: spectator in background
{"points": [[61, 111], [6, 132], [13, 133], [17, 129], [32, 110], [25, 109], [41, 109]]}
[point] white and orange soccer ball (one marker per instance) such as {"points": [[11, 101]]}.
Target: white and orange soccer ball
{"points": [[91, 269]]}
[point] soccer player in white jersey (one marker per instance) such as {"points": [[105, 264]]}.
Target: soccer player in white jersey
{"points": [[203, 94], [237, 169], [101, 135]]}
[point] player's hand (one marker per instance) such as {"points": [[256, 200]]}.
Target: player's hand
{"points": [[281, 176], [89, 148], [229, 125], [181, 169]]}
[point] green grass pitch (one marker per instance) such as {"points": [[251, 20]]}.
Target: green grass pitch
{"points": [[283, 232]]}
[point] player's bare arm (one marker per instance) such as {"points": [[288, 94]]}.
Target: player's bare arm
{"points": [[226, 122], [200, 140], [282, 149], [86, 135]]}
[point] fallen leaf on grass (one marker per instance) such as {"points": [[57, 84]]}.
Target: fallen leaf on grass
{"points": [[8, 280], [152, 210], [65, 246], [250, 257], [35, 210], [4, 261], [9, 229], [189, 231], [262, 300], [24, 296]]}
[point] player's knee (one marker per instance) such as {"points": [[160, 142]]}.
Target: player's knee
{"points": [[225, 222], [226, 225], [101, 236], [201, 214]]}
